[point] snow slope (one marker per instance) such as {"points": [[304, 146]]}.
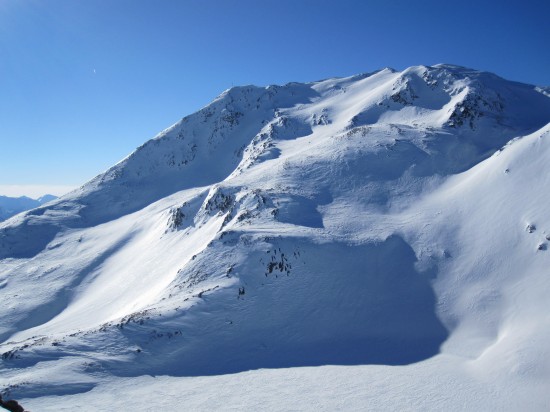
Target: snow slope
{"points": [[10, 206], [393, 223]]}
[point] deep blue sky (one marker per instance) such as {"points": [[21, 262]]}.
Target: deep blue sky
{"points": [[82, 83]]}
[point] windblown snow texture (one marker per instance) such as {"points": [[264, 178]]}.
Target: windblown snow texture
{"points": [[387, 219]]}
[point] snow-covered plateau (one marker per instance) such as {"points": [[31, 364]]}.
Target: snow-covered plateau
{"points": [[376, 242]]}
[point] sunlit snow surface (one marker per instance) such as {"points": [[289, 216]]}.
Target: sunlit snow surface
{"points": [[373, 242]]}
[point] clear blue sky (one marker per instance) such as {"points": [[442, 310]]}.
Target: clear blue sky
{"points": [[82, 83]]}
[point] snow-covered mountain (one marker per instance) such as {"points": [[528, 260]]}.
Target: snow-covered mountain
{"points": [[10, 206], [393, 222]]}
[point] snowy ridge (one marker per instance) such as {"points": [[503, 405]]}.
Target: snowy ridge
{"points": [[392, 218], [10, 206]]}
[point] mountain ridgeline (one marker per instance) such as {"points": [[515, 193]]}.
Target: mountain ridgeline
{"points": [[347, 221], [10, 206]]}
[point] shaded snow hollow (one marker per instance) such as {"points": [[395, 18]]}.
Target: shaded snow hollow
{"points": [[392, 224]]}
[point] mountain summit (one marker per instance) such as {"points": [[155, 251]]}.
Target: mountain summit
{"points": [[389, 218]]}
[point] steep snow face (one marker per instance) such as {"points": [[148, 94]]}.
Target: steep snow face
{"points": [[378, 219], [424, 98]]}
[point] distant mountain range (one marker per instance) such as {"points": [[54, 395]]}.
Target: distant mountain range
{"points": [[394, 223], [10, 206]]}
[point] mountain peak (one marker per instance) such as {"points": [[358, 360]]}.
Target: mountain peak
{"points": [[11, 206], [383, 218], [46, 198]]}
